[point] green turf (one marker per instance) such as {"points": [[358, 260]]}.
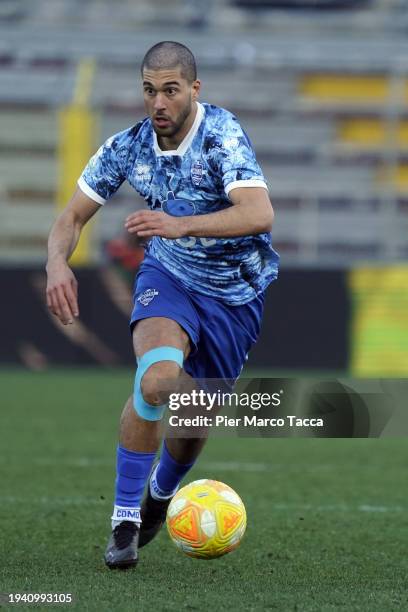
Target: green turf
{"points": [[327, 519]]}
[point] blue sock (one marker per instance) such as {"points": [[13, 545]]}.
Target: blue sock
{"points": [[132, 471], [167, 475]]}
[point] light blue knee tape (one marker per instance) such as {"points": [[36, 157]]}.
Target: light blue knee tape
{"points": [[162, 353]]}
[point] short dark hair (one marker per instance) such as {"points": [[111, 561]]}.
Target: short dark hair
{"points": [[169, 54]]}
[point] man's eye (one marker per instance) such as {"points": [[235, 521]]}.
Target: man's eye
{"points": [[171, 91], [149, 91]]}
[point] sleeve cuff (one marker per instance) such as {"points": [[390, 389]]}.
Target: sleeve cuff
{"points": [[247, 183], [86, 189]]}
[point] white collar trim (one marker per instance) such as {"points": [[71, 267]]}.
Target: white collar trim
{"points": [[188, 139]]}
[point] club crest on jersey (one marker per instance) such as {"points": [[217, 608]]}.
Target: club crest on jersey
{"points": [[197, 173], [143, 172], [147, 296]]}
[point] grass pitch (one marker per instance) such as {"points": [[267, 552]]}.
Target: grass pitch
{"points": [[327, 519]]}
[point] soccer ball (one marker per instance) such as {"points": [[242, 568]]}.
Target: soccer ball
{"points": [[206, 519]]}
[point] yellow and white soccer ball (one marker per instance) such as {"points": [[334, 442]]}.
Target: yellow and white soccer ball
{"points": [[206, 519]]}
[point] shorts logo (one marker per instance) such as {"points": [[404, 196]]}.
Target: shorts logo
{"points": [[147, 296], [197, 173]]}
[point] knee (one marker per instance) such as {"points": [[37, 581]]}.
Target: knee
{"points": [[159, 381]]}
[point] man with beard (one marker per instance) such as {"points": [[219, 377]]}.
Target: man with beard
{"points": [[199, 294]]}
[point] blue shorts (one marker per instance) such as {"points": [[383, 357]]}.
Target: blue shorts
{"points": [[221, 335]]}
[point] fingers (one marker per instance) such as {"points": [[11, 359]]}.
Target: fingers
{"points": [[144, 219], [49, 302], [64, 307], [53, 305], [137, 217], [133, 229], [148, 233], [71, 297], [148, 223], [63, 303], [142, 214], [142, 227]]}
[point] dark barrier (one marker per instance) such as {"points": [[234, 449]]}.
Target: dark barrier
{"points": [[305, 323]]}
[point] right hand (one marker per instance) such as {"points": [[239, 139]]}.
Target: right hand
{"points": [[62, 292]]}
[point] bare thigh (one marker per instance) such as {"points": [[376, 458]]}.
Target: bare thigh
{"points": [[159, 331]]}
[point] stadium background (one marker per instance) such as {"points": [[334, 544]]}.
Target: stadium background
{"points": [[322, 88], [323, 97]]}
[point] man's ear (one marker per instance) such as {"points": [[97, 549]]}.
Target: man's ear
{"points": [[196, 86]]}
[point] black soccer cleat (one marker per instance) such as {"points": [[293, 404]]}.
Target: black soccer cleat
{"points": [[121, 551], [153, 515]]}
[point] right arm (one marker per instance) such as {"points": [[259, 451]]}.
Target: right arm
{"points": [[62, 286], [100, 179]]}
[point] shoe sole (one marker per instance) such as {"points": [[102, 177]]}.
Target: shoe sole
{"points": [[122, 564]]}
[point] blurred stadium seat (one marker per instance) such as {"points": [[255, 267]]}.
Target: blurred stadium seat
{"points": [[323, 96], [327, 116]]}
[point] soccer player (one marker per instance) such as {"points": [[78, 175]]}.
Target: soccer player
{"points": [[199, 294]]}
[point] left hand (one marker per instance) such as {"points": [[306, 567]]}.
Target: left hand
{"points": [[148, 223]]}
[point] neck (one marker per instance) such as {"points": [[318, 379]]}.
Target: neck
{"points": [[172, 143]]}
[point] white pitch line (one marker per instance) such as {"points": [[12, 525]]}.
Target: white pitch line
{"points": [[222, 466], [368, 508], [230, 466], [238, 466], [338, 508], [49, 500], [226, 466], [282, 507], [75, 462]]}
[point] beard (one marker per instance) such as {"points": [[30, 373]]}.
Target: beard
{"points": [[176, 125]]}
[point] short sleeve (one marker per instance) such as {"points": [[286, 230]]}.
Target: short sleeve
{"points": [[236, 160], [103, 175]]}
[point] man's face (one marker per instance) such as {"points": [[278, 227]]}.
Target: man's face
{"points": [[168, 99]]}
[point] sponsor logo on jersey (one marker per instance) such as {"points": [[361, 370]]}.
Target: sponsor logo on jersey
{"points": [[147, 296], [197, 172], [143, 172]]}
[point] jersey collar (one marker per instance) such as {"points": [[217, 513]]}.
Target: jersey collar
{"points": [[188, 139]]}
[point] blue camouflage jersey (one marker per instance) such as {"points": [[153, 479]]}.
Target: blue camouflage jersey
{"points": [[215, 157]]}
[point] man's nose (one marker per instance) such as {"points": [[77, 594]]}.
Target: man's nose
{"points": [[159, 102]]}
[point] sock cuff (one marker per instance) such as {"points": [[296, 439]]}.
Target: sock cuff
{"points": [[126, 513], [134, 454], [169, 459], [155, 490]]}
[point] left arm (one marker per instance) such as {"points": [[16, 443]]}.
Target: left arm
{"points": [[251, 213]]}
